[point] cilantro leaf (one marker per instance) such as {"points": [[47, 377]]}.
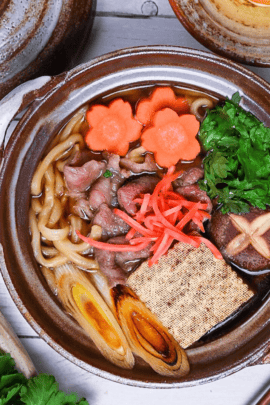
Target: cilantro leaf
{"points": [[7, 364], [219, 165], [43, 389], [236, 98], [11, 381], [237, 164]]}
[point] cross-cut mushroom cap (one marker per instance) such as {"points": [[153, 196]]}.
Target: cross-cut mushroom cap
{"points": [[243, 239]]}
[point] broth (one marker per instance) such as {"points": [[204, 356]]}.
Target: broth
{"points": [[55, 215]]}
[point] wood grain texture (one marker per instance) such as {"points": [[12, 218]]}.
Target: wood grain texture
{"points": [[110, 33], [10, 343], [133, 7], [238, 389], [120, 24]]}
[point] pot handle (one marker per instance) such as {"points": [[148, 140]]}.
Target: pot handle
{"points": [[15, 101], [266, 358]]}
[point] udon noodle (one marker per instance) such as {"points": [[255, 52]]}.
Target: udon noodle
{"points": [[53, 233]]}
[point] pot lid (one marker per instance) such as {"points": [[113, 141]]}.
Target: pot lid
{"points": [[40, 37], [238, 29]]}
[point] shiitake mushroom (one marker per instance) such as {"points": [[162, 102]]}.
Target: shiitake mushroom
{"points": [[243, 239]]}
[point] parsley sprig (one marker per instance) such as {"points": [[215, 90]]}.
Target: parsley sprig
{"points": [[237, 164], [15, 389]]}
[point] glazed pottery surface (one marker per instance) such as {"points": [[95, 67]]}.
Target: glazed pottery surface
{"points": [[41, 37], [238, 29]]}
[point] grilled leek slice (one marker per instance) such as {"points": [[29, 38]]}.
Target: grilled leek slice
{"points": [[80, 298], [147, 337]]}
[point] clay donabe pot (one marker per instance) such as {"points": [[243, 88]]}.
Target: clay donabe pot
{"points": [[40, 37], [52, 102], [236, 29]]}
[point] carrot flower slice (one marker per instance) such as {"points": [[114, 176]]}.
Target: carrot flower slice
{"points": [[161, 97], [112, 128], [172, 137]]}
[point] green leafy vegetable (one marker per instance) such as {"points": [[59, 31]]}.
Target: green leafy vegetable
{"points": [[236, 98], [107, 174], [11, 381], [237, 164], [15, 389]]}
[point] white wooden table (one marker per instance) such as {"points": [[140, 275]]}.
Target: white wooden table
{"points": [[120, 24]]}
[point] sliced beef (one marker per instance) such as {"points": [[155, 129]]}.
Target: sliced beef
{"points": [[100, 193], [194, 193], [118, 177], [149, 165], [189, 176], [117, 265], [104, 190], [83, 156], [111, 224], [106, 262], [82, 209], [132, 189], [79, 179], [128, 261]]}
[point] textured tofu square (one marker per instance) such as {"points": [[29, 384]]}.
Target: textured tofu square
{"points": [[190, 291]]}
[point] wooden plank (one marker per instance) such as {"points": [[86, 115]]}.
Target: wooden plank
{"points": [[130, 32], [234, 390], [12, 314], [110, 34], [135, 8]]}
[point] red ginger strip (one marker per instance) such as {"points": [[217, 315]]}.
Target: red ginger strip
{"points": [[161, 220], [113, 247]]}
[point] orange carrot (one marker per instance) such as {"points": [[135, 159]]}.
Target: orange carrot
{"points": [[210, 245], [172, 138], [161, 97], [162, 248], [198, 223], [141, 239], [172, 210], [112, 128], [131, 233], [188, 217], [113, 247], [134, 224]]}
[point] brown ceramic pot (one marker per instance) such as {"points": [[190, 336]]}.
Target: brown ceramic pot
{"points": [[238, 29], [246, 340], [40, 37]]}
